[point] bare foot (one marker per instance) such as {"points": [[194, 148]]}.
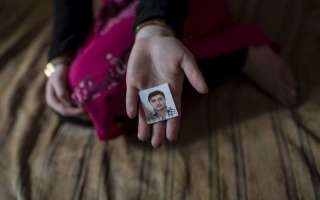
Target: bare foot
{"points": [[272, 74]]}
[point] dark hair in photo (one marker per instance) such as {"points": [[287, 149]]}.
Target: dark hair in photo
{"points": [[155, 93]]}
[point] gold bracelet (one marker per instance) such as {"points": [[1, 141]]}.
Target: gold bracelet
{"points": [[158, 22], [52, 64]]}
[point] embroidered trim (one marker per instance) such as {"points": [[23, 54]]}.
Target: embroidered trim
{"points": [[90, 89]]}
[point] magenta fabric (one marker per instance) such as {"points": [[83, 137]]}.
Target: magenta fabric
{"points": [[96, 75]]}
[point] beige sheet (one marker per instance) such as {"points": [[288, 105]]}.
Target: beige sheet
{"points": [[237, 144]]}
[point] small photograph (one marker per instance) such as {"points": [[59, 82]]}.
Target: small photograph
{"points": [[158, 103]]}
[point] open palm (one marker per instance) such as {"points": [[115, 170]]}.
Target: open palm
{"points": [[155, 60]]}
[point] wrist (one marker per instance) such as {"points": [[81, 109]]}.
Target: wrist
{"points": [[56, 63], [153, 31], [151, 28]]}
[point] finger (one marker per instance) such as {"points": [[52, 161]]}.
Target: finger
{"points": [[159, 133], [173, 124], [135, 59], [143, 127], [172, 129], [73, 111], [131, 101], [193, 73], [52, 100], [62, 92]]}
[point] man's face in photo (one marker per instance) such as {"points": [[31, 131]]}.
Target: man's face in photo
{"points": [[158, 102]]}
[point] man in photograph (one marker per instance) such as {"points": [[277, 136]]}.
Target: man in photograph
{"points": [[161, 111]]}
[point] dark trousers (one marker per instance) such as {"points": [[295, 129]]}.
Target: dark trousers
{"points": [[223, 67]]}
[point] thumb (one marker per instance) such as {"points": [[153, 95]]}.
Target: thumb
{"points": [[193, 73]]}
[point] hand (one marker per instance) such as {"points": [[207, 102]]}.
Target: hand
{"points": [[158, 57], [57, 95]]}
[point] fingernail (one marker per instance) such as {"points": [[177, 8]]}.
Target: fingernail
{"points": [[142, 138], [131, 115], [172, 138], [155, 145]]}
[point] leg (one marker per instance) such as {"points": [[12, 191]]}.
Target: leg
{"points": [[271, 73], [261, 65]]}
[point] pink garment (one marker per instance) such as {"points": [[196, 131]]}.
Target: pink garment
{"points": [[97, 74]]}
